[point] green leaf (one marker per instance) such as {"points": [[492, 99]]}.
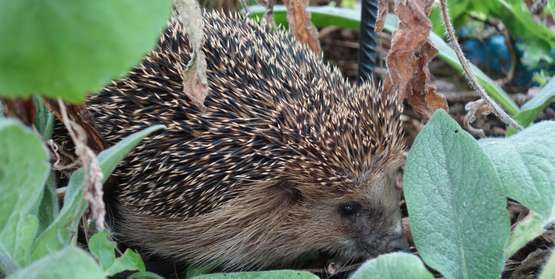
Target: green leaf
{"points": [[49, 206], [548, 271], [521, 19], [530, 110], [44, 120], [456, 205], [68, 48], [68, 263], [103, 249], [348, 18], [145, 275], [393, 266], [525, 164], [23, 170], [130, 260], [64, 228], [321, 16], [526, 230], [17, 238], [272, 274]]}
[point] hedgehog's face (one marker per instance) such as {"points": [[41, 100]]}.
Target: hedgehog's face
{"points": [[361, 222], [368, 219]]}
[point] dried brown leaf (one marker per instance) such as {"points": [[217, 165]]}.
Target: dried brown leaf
{"points": [[93, 192], [478, 107], [300, 24], [408, 58], [195, 82]]}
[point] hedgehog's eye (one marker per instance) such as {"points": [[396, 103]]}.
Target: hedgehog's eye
{"points": [[349, 208]]}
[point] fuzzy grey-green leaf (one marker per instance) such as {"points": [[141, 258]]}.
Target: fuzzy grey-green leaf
{"points": [[525, 163], [23, 170], [393, 266], [69, 263], [455, 202]]}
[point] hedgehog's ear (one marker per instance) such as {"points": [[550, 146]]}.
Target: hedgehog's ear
{"points": [[288, 192]]}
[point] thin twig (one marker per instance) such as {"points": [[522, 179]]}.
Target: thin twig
{"points": [[92, 174], [497, 110]]}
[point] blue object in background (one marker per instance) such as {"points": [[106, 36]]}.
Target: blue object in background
{"points": [[493, 56]]}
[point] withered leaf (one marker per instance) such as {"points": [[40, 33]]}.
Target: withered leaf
{"points": [[195, 82], [300, 24], [408, 58]]}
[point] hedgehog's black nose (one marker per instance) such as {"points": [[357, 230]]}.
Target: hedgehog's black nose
{"points": [[399, 244]]}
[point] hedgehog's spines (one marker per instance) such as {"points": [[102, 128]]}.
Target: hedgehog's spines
{"points": [[275, 112]]}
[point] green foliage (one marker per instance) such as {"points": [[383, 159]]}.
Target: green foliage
{"points": [[393, 266], [104, 250], [70, 262], [145, 275], [530, 110], [525, 164], [23, 172], [455, 202], [21, 183], [456, 189], [516, 17], [68, 48]]}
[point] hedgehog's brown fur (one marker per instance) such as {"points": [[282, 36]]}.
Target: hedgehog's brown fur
{"points": [[258, 179]]}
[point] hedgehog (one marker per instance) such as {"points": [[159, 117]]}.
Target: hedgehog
{"points": [[287, 160]]}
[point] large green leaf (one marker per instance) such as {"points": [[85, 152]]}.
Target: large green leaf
{"points": [[23, 170], [455, 202], [272, 274], [393, 266], [348, 18], [68, 263], [67, 48], [525, 164], [64, 228]]}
